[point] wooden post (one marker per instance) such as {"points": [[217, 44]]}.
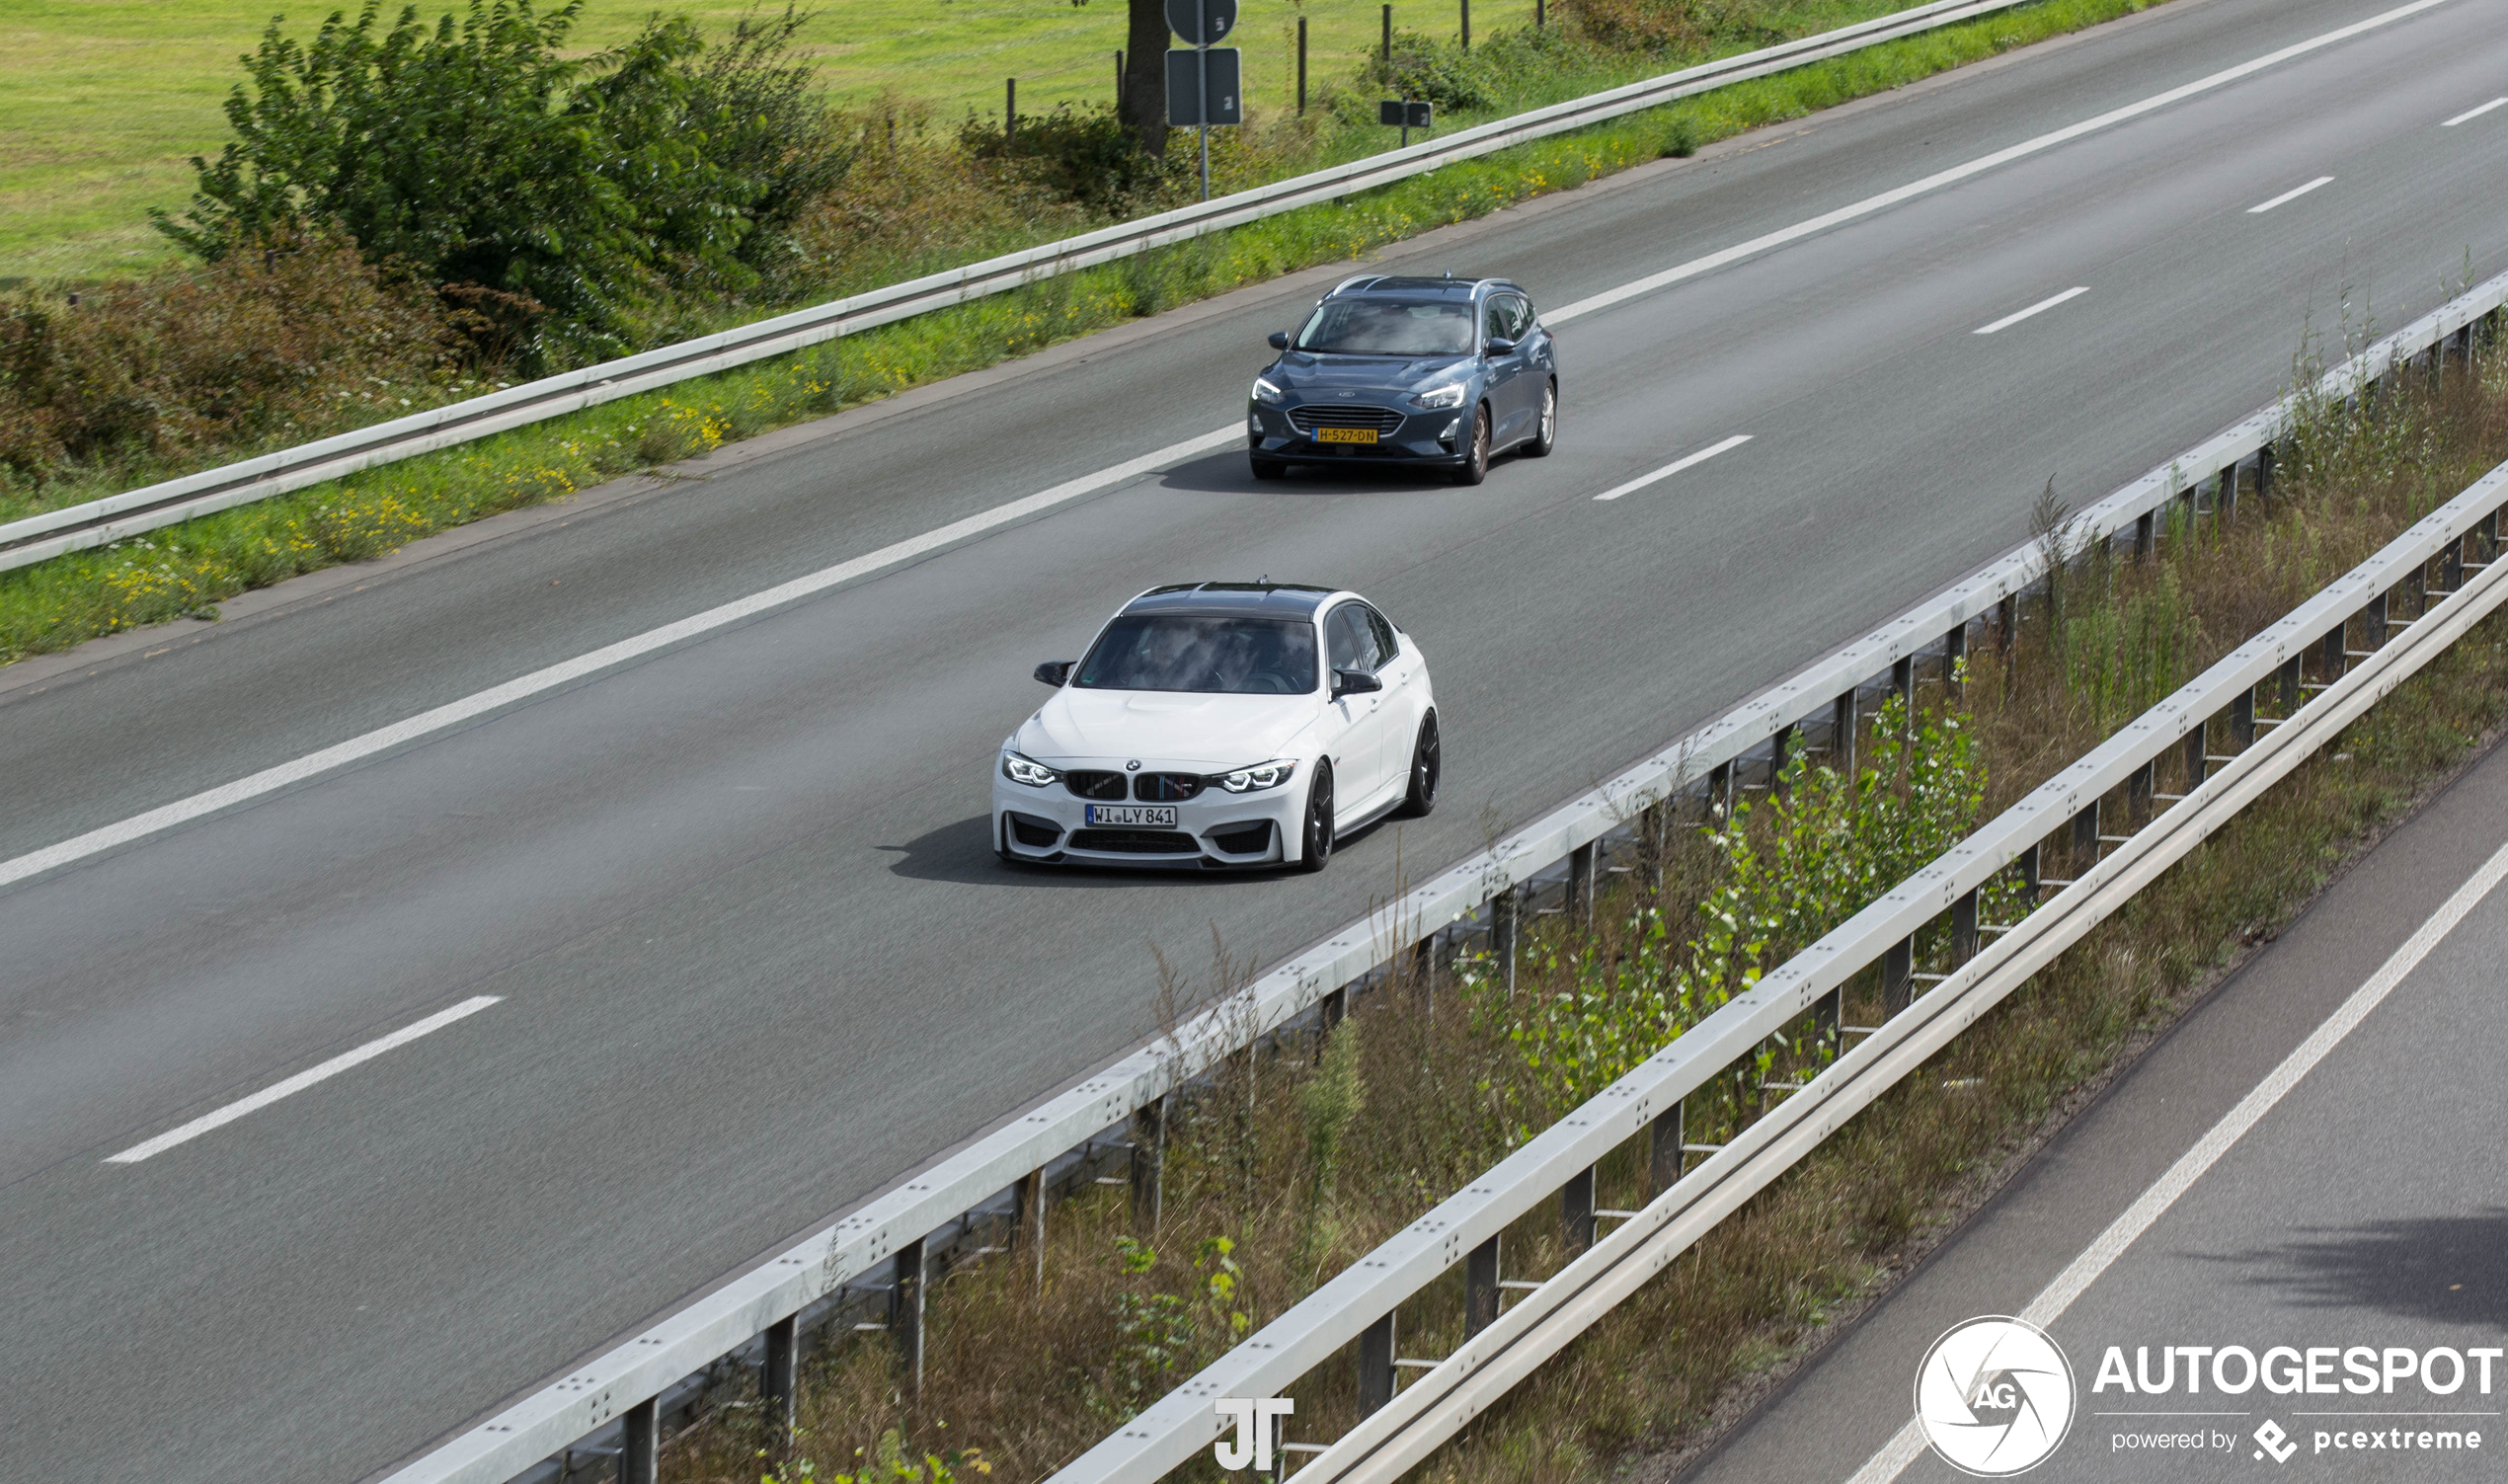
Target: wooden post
{"points": [[1301, 65]]}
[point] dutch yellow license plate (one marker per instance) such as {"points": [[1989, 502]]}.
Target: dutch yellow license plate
{"points": [[1345, 434]]}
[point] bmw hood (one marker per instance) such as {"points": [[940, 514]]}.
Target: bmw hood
{"points": [[1162, 727]]}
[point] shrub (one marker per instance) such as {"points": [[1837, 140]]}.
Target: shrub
{"points": [[1430, 70], [1086, 156]]}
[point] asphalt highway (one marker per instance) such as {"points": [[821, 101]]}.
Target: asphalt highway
{"points": [[2367, 1207], [750, 959]]}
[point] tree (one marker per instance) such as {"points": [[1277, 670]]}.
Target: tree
{"points": [[1144, 104], [472, 153]]}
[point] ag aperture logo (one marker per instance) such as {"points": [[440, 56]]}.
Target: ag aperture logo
{"points": [[1995, 1396]]}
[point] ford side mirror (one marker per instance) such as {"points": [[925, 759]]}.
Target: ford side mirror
{"points": [[1351, 682], [1056, 672], [1278, 339], [1499, 344]]}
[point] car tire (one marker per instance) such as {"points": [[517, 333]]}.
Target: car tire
{"points": [[1475, 465], [1546, 431], [1427, 768], [1315, 844], [1269, 468]]}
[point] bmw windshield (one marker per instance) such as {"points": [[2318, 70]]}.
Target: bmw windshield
{"points": [[1180, 651], [1380, 327]]}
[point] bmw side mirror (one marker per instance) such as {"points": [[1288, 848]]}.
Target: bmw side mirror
{"points": [[1056, 672], [1278, 339], [1349, 683], [1499, 344]]}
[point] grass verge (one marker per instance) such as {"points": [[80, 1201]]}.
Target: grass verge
{"points": [[1289, 1166], [187, 570]]}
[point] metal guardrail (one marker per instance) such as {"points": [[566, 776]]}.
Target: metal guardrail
{"points": [[1416, 1420], [886, 1236], [117, 517]]}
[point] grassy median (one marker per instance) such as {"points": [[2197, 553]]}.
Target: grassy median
{"points": [[1289, 1166], [187, 570]]}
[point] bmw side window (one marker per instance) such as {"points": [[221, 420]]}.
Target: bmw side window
{"points": [[1385, 647], [1346, 639]]}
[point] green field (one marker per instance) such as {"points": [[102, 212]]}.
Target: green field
{"points": [[108, 99]]}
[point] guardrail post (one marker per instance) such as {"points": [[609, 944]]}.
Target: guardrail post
{"points": [[1576, 1211], [2487, 529], [1653, 835], [1580, 883], [1842, 733], [1781, 750], [2031, 870], [906, 1313], [1903, 681], [1663, 1158], [1828, 1022], [2264, 472], [2007, 623], [640, 1443], [1502, 932], [1480, 1287], [2332, 657], [2243, 720], [1720, 790], [2373, 623], [1376, 1365], [1330, 1011], [1898, 977], [2144, 529], [1149, 1159], [2451, 564], [1027, 1226], [2417, 589], [2290, 685], [1955, 660], [1964, 933], [2226, 505], [2140, 785], [2086, 838], [2196, 749], [779, 1376]]}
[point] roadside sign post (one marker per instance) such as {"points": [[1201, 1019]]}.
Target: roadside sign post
{"points": [[1203, 84], [1405, 115]]}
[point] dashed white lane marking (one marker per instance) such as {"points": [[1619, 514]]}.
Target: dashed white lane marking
{"points": [[2288, 197], [1676, 466], [301, 1080], [2472, 114], [2040, 307], [1894, 1456]]}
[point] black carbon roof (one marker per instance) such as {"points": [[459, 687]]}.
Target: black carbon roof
{"points": [[1263, 599]]}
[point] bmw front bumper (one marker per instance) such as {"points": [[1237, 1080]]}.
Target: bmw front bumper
{"points": [[1051, 825]]}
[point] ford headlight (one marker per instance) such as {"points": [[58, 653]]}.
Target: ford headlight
{"points": [[1266, 393], [1260, 776], [1441, 397], [1026, 770]]}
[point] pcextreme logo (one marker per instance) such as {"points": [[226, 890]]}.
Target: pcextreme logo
{"points": [[1995, 1396]]}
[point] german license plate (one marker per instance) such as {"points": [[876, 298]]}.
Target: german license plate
{"points": [[1140, 816], [1345, 434]]}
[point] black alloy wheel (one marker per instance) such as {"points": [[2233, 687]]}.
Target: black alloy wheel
{"points": [[1425, 768], [1267, 468], [1315, 842], [1546, 433], [1475, 465]]}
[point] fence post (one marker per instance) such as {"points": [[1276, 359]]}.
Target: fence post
{"points": [[1009, 112], [1149, 1162], [1027, 1225], [1388, 44], [906, 1313], [779, 1376], [1898, 977], [1375, 1365], [1663, 1157], [1480, 1287], [1118, 86], [1301, 65], [1466, 4], [640, 1443], [1576, 1211]]}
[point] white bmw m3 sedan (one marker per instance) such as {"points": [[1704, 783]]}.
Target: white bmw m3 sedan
{"points": [[1221, 724]]}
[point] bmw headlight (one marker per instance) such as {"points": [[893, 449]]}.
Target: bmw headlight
{"points": [[1026, 770], [1441, 397], [1260, 776], [1266, 393]]}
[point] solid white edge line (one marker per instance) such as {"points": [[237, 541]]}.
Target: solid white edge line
{"points": [[1894, 1456], [2041, 307], [301, 1080], [1676, 466], [2286, 196], [2470, 115], [494, 698], [454, 713], [1980, 164]]}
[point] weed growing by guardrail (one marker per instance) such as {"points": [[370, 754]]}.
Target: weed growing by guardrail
{"points": [[1301, 1168]]}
